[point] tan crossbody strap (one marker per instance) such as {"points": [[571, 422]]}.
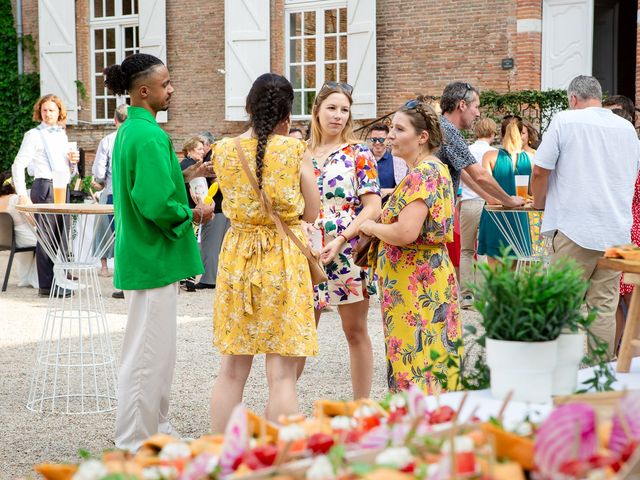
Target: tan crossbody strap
{"points": [[281, 226]]}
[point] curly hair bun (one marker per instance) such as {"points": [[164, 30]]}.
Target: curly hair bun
{"points": [[115, 80], [119, 78]]}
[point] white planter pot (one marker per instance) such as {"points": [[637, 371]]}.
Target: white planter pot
{"points": [[526, 368], [570, 354]]}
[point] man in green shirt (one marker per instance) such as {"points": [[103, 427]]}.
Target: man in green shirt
{"points": [[155, 247]]}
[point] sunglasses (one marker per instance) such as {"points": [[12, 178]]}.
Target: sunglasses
{"points": [[344, 86], [380, 140]]}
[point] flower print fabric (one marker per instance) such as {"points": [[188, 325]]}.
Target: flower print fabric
{"points": [[346, 175], [417, 286], [264, 300]]}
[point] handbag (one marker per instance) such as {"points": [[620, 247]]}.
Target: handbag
{"points": [[316, 269], [365, 247]]}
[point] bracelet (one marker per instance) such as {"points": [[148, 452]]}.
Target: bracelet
{"points": [[346, 240]]}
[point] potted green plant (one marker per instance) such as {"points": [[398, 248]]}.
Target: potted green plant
{"points": [[524, 313]]}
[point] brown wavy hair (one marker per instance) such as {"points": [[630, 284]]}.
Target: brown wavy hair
{"points": [[424, 118], [347, 135], [37, 114]]}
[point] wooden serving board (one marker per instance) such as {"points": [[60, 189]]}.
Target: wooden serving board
{"points": [[67, 208], [620, 264]]}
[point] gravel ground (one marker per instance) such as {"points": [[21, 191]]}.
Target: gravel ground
{"points": [[30, 438]]}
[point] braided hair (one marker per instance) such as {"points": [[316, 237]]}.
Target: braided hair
{"points": [[424, 118], [268, 103], [119, 78]]}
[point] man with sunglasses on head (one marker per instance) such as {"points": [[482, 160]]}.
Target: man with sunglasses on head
{"points": [[391, 170], [460, 104]]}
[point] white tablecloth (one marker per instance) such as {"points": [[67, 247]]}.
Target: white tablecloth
{"points": [[486, 406]]}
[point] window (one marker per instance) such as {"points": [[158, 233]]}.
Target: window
{"points": [[114, 36], [316, 49]]}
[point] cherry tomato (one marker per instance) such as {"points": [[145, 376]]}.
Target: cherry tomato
{"points": [[266, 454], [369, 423], [442, 414], [320, 443]]}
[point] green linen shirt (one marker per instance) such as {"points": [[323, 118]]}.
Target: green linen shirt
{"points": [[155, 244]]}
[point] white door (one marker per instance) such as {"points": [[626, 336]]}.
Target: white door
{"points": [[567, 41], [57, 36], [361, 56], [246, 51], [152, 18]]}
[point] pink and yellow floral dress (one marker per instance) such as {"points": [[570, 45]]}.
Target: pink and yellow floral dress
{"points": [[417, 286]]}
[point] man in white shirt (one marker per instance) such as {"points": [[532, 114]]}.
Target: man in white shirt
{"points": [[584, 177], [471, 205], [101, 171], [44, 149]]}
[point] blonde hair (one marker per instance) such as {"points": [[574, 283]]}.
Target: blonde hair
{"points": [[37, 113], [485, 128], [191, 143], [347, 135], [511, 136]]}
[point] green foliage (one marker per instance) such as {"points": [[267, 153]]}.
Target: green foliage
{"points": [[533, 105], [82, 90], [531, 305], [18, 93]]}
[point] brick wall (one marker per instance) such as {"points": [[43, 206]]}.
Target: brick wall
{"points": [[419, 51], [528, 45], [428, 46]]}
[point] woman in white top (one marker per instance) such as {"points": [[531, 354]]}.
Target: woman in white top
{"points": [[25, 262], [44, 149]]}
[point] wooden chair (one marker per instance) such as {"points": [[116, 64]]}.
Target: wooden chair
{"points": [[8, 242]]}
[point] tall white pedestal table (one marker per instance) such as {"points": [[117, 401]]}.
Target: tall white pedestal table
{"points": [[75, 367]]}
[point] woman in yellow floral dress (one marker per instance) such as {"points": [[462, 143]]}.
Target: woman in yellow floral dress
{"points": [[416, 279], [264, 296]]}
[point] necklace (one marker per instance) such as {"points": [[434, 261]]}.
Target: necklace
{"points": [[322, 154]]}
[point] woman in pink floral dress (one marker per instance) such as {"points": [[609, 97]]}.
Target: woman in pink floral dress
{"points": [[350, 194], [416, 278]]}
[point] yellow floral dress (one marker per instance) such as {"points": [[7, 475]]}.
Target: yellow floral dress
{"points": [[417, 286], [264, 298]]}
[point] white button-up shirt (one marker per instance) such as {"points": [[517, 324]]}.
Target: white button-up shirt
{"points": [[477, 149], [594, 156], [101, 169], [33, 155]]}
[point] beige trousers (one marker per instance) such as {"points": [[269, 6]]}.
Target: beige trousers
{"points": [[604, 285], [146, 366], [470, 211]]}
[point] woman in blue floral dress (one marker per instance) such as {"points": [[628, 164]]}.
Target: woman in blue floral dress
{"points": [[350, 194]]}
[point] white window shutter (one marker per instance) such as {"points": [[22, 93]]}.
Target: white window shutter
{"points": [[361, 56], [246, 51], [152, 18], [57, 36], [567, 41]]}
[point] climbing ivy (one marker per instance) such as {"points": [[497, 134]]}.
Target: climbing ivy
{"points": [[536, 106], [18, 93]]}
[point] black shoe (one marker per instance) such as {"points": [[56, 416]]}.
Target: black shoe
{"points": [[189, 286], [202, 286], [58, 292], [117, 294]]}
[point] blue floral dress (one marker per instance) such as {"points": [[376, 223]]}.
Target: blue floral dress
{"points": [[345, 175]]}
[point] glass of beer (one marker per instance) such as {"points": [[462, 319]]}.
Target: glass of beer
{"points": [[522, 185], [60, 182]]}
